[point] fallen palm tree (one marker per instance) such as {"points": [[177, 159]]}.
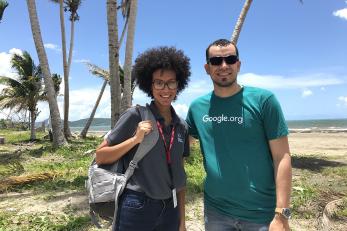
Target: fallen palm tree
{"points": [[12, 181]]}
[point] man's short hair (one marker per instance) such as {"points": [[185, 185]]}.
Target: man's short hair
{"points": [[221, 43]]}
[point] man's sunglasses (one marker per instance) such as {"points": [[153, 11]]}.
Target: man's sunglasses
{"points": [[216, 61]]}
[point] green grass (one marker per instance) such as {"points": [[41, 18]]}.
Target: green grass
{"points": [[313, 185], [12, 136], [44, 221], [69, 163], [341, 213], [195, 171], [302, 196]]}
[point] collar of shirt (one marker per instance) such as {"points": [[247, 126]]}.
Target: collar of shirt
{"points": [[175, 119]]}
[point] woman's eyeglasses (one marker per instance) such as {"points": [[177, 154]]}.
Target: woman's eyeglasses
{"points": [[216, 61], [160, 85]]}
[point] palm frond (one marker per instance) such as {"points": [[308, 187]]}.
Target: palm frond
{"points": [[3, 5], [10, 82], [23, 92], [125, 8], [72, 6], [98, 71]]}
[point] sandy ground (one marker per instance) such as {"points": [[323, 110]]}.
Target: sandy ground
{"points": [[325, 144], [331, 145]]}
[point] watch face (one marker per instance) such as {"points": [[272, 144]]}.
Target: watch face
{"points": [[286, 213]]}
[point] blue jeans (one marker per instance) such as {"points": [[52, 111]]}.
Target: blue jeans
{"points": [[215, 221], [137, 212]]}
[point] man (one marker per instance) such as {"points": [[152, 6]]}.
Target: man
{"points": [[243, 137]]}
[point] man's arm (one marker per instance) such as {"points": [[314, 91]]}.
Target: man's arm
{"points": [[283, 178], [181, 207]]}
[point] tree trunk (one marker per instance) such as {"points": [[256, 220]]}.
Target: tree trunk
{"points": [[86, 127], [126, 102], [67, 132], [58, 136], [113, 51], [240, 21], [32, 125], [89, 122]]}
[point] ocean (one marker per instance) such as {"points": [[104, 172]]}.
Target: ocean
{"points": [[318, 124], [326, 124]]}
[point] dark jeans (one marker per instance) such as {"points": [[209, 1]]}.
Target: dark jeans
{"points": [[215, 221], [137, 212]]}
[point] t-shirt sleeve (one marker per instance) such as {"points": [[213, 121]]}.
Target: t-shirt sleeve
{"points": [[125, 127], [274, 122], [191, 124]]}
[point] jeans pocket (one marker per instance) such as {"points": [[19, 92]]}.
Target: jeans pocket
{"points": [[134, 201]]}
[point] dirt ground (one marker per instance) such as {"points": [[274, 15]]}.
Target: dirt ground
{"points": [[332, 145], [325, 144]]}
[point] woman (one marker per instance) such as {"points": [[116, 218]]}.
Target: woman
{"points": [[154, 197]]}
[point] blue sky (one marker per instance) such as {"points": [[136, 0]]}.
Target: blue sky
{"points": [[298, 51]]}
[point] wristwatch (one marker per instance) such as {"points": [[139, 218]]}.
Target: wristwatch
{"points": [[285, 212]]}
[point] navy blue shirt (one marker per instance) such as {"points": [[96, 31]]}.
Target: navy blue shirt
{"points": [[152, 175]]}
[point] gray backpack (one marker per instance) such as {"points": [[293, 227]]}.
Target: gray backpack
{"points": [[106, 182]]}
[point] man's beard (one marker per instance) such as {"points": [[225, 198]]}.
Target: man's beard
{"points": [[224, 84]]}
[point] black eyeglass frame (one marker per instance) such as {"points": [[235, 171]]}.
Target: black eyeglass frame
{"points": [[218, 60], [165, 84]]}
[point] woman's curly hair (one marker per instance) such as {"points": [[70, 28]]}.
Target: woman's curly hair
{"points": [[166, 58]]}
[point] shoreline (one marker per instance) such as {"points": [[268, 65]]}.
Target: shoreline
{"points": [[291, 131], [317, 130]]}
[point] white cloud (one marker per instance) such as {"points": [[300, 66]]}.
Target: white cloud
{"points": [[5, 62], [82, 102], [16, 51], [199, 87], [140, 98], [52, 46], [343, 100], [305, 93], [181, 109], [341, 13], [323, 89], [281, 82]]}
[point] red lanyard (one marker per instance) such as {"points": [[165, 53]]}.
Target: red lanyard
{"points": [[168, 150]]}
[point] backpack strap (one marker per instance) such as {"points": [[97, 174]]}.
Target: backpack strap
{"points": [[145, 146], [147, 143]]}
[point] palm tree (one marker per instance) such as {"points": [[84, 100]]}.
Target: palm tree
{"points": [[240, 21], [71, 6], [106, 76], [58, 136], [26, 90], [98, 71], [3, 5], [113, 54], [126, 101], [56, 82]]}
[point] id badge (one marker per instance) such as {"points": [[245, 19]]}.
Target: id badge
{"points": [[174, 197]]}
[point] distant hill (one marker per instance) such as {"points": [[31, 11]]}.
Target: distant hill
{"points": [[96, 122], [82, 122]]}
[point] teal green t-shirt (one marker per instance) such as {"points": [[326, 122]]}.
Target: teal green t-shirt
{"points": [[234, 134]]}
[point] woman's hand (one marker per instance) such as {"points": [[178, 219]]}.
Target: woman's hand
{"points": [[143, 128]]}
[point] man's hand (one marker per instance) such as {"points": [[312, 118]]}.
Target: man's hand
{"points": [[279, 223]]}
